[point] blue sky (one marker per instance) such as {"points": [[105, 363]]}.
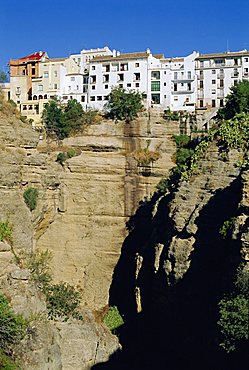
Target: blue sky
{"points": [[172, 27]]}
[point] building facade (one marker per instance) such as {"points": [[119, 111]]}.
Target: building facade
{"points": [[197, 81]]}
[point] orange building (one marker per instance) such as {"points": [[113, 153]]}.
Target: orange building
{"points": [[21, 73]]}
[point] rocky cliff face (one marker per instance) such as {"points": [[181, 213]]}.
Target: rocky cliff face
{"points": [[179, 267], [81, 214]]}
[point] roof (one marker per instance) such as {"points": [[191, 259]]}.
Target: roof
{"points": [[159, 56], [57, 59], [105, 58], [35, 56], [226, 54]]}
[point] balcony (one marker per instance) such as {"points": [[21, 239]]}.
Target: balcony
{"points": [[179, 92], [183, 78]]}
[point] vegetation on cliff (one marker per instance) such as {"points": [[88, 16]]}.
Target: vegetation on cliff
{"points": [[63, 121], [124, 105], [13, 328]]}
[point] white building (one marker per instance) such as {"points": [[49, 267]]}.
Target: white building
{"points": [[217, 73]]}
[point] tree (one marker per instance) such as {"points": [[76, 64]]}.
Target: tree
{"points": [[3, 77], [73, 115], [236, 102], [124, 105], [54, 120]]}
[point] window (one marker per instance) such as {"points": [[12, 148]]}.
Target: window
{"points": [[105, 78], [55, 73], [55, 86], [182, 84], [45, 75], [33, 71], [136, 65], [165, 96], [106, 86], [219, 62], [189, 74], [236, 62], [137, 84], [155, 85], [201, 103], [105, 97], [77, 87], [30, 107], [93, 87], [155, 75], [92, 98], [106, 67], [176, 98], [72, 78], [201, 63], [128, 85], [165, 72], [164, 84], [189, 87], [201, 84], [221, 83], [18, 90], [187, 100], [213, 103], [213, 82], [99, 98], [45, 96], [120, 77], [120, 85], [93, 68], [24, 107], [213, 91], [221, 103], [83, 99], [155, 98], [69, 88], [175, 75], [175, 87], [93, 79], [124, 67], [137, 76], [213, 71], [40, 87], [65, 97], [235, 82], [246, 60]]}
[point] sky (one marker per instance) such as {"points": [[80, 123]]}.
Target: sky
{"points": [[172, 27]]}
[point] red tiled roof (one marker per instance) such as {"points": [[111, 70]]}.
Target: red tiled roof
{"points": [[35, 56]]}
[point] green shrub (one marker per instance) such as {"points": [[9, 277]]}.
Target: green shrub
{"points": [[30, 197], [233, 321], [38, 264], [6, 362], [227, 227], [63, 300], [113, 319], [181, 140], [61, 158], [6, 232], [71, 153], [12, 327]]}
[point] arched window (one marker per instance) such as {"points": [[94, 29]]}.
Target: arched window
{"points": [[40, 97], [35, 97], [45, 96]]}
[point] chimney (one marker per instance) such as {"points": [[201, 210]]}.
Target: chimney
{"points": [[118, 53], [114, 53], [148, 51]]}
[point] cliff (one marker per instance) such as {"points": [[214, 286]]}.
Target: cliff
{"points": [[81, 215], [175, 267]]}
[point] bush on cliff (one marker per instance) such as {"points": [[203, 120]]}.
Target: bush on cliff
{"points": [[12, 327], [236, 102], [124, 105], [30, 196], [64, 121]]}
